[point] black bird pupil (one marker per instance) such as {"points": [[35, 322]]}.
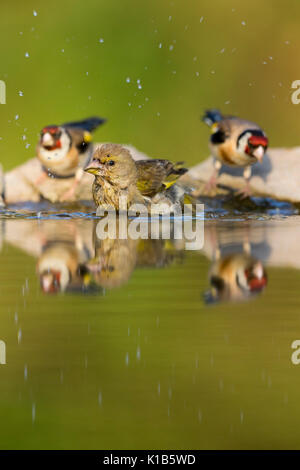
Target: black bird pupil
{"points": [[111, 162]]}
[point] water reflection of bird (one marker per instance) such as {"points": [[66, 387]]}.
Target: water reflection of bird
{"points": [[118, 175], [61, 268], [158, 253], [235, 277], [64, 150], [116, 259], [113, 262], [234, 142]]}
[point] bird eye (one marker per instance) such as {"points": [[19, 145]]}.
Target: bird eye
{"points": [[111, 162]]}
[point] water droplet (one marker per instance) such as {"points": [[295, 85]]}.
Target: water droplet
{"points": [[244, 23], [33, 412], [17, 117], [20, 93], [171, 47], [26, 54], [35, 13], [160, 45], [101, 40], [201, 19], [19, 336], [128, 80]]}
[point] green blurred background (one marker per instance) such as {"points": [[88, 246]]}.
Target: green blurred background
{"points": [[186, 55]]}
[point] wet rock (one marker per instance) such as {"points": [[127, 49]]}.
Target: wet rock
{"points": [[20, 183], [278, 177]]}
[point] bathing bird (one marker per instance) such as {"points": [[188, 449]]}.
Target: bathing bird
{"points": [[117, 175]]}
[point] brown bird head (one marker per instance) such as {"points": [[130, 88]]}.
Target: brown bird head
{"points": [[113, 163], [255, 143]]}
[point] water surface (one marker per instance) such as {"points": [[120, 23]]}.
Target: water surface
{"points": [[143, 344]]}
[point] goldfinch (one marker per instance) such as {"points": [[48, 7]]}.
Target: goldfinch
{"points": [[234, 142], [235, 277], [64, 150]]}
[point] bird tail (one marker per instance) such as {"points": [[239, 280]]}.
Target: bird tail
{"points": [[176, 171], [89, 124], [211, 116]]}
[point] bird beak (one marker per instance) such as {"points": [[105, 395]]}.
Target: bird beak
{"points": [[47, 140], [258, 270], [258, 153], [94, 167]]}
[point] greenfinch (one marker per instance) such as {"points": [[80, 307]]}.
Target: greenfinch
{"points": [[144, 181]]}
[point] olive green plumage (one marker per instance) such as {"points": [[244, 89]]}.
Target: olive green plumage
{"points": [[157, 175], [117, 174]]}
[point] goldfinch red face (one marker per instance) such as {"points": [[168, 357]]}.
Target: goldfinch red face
{"points": [[253, 143], [50, 282], [254, 278], [51, 137]]}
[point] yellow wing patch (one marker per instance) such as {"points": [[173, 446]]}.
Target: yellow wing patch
{"points": [[214, 128], [87, 136]]}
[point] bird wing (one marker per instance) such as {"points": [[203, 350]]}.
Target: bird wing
{"points": [[157, 175], [81, 131], [81, 139], [89, 124]]}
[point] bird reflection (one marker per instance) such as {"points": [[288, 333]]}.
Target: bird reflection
{"points": [[235, 277], [237, 272], [115, 260], [60, 269], [72, 258]]}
